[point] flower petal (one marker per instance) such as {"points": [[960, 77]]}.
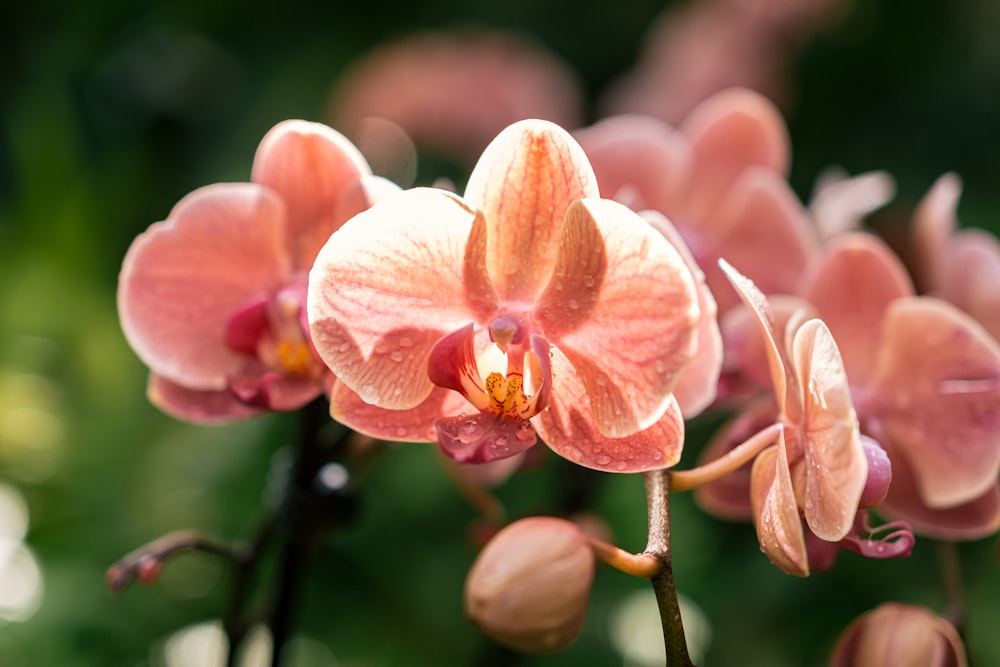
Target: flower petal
{"points": [[484, 437], [310, 166], [761, 310], [198, 407], [857, 279], [934, 221], [183, 279], [622, 307], [776, 514], [836, 466], [972, 520], [699, 381], [937, 398], [970, 276], [568, 428], [840, 202], [523, 183], [639, 161], [413, 425], [761, 227], [387, 286], [730, 131]]}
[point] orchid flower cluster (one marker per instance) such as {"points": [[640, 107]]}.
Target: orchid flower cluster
{"points": [[593, 290]]}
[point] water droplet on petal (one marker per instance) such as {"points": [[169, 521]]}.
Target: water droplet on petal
{"points": [[344, 347], [396, 355], [369, 394], [603, 460], [512, 265], [657, 455], [501, 442], [524, 431], [573, 454], [621, 466], [573, 304], [597, 449], [406, 341], [588, 280], [470, 431]]}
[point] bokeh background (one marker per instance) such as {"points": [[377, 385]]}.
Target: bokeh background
{"points": [[110, 112]]}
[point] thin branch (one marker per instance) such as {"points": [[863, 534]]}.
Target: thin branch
{"points": [[145, 563], [658, 546], [643, 565]]}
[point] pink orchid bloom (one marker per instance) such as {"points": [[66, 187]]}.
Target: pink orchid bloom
{"points": [[959, 266], [925, 380], [818, 471], [528, 303], [212, 299], [453, 92], [721, 180]]}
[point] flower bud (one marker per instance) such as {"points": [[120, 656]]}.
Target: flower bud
{"points": [[899, 635], [528, 588]]}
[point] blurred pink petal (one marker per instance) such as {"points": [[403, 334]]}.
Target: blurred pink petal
{"points": [[851, 287], [840, 202], [937, 397], [183, 278], [198, 406], [453, 92]]}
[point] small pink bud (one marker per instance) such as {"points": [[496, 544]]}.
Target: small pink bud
{"points": [[529, 587], [148, 569], [899, 635]]}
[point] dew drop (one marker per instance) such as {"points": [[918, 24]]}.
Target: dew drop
{"points": [[398, 391], [400, 431], [344, 347], [512, 265], [470, 431], [396, 355], [369, 394], [406, 341], [573, 454], [588, 280], [524, 431], [604, 460], [597, 449], [573, 304], [500, 442], [657, 455], [621, 466], [382, 346]]}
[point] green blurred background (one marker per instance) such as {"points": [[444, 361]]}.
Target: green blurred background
{"points": [[110, 112]]}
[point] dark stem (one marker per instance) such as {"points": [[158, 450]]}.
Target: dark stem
{"points": [[658, 502], [951, 576], [234, 624]]}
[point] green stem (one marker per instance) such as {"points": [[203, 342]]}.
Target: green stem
{"points": [[658, 502]]}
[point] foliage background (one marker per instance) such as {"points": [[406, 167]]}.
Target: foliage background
{"points": [[110, 112]]}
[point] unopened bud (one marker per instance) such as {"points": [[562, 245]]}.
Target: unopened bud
{"points": [[529, 587], [899, 635]]}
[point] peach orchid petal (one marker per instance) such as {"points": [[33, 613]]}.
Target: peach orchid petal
{"points": [[935, 219], [754, 299], [309, 165], [376, 310], [839, 202], [761, 226], [937, 397], [970, 277], [730, 131], [623, 308], [857, 279], [836, 465], [639, 161], [776, 514], [523, 183], [569, 430], [198, 407], [972, 520], [181, 280], [415, 425], [698, 384]]}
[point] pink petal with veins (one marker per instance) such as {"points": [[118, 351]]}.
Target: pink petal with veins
{"points": [[776, 514], [639, 161], [182, 280], [376, 310], [413, 425], [852, 286], [731, 131], [622, 306], [936, 388], [836, 466], [523, 183], [310, 166], [568, 428]]}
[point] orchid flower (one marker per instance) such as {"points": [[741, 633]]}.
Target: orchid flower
{"points": [[721, 180], [534, 303], [212, 299], [818, 470], [925, 380]]}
